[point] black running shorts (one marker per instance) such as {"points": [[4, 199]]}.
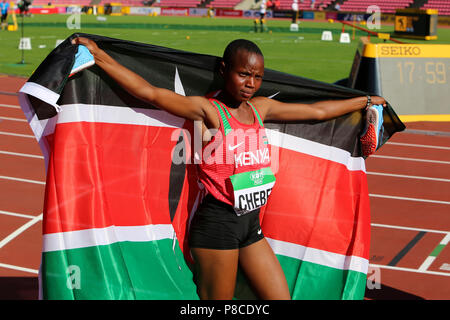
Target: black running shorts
{"points": [[215, 225]]}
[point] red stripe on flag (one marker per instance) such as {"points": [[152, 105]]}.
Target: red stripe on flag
{"points": [[107, 174], [320, 204]]}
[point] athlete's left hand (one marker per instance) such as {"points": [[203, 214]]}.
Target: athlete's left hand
{"points": [[376, 100]]}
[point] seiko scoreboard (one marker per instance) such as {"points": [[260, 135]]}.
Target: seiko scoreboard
{"points": [[414, 78]]}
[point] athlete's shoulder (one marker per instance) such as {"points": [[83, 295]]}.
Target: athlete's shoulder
{"points": [[210, 117], [262, 104], [260, 99]]}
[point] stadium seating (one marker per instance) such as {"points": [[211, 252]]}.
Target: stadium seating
{"points": [[305, 5], [136, 3], [61, 2], [178, 3], [443, 6], [229, 4], [386, 6]]}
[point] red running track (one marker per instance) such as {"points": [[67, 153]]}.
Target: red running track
{"points": [[409, 186]]}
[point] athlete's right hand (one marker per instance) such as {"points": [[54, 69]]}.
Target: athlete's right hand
{"points": [[91, 45]]}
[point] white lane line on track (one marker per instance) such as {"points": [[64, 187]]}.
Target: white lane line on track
{"points": [[9, 93], [9, 106], [20, 230], [10, 266], [433, 255], [428, 132], [406, 176], [9, 153], [17, 134], [22, 180], [427, 263], [408, 199], [15, 214], [409, 159], [410, 270], [408, 228], [13, 119], [417, 145]]}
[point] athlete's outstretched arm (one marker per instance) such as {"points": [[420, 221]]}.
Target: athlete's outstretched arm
{"points": [[322, 110], [193, 108]]}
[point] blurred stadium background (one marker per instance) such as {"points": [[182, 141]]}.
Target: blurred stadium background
{"points": [[184, 24]]}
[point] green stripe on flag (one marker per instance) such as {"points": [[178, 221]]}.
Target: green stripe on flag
{"points": [[153, 270], [122, 270], [311, 281]]}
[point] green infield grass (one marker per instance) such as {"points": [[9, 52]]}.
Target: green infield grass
{"points": [[300, 53]]}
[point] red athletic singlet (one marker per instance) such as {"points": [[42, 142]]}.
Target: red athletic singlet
{"points": [[235, 164]]}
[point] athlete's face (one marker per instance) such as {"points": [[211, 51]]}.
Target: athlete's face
{"points": [[244, 76]]}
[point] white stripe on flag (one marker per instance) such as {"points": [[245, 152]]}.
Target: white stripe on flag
{"points": [[105, 236], [41, 93], [113, 234], [316, 149], [159, 118], [118, 115], [322, 257]]}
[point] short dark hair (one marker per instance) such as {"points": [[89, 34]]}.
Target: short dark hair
{"points": [[240, 44]]}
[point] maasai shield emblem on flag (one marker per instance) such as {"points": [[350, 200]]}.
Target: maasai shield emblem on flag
{"points": [[117, 204]]}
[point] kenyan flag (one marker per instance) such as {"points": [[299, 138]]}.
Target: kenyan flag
{"points": [[117, 207]]}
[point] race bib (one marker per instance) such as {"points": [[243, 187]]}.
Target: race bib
{"points": [[252, 189]]}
